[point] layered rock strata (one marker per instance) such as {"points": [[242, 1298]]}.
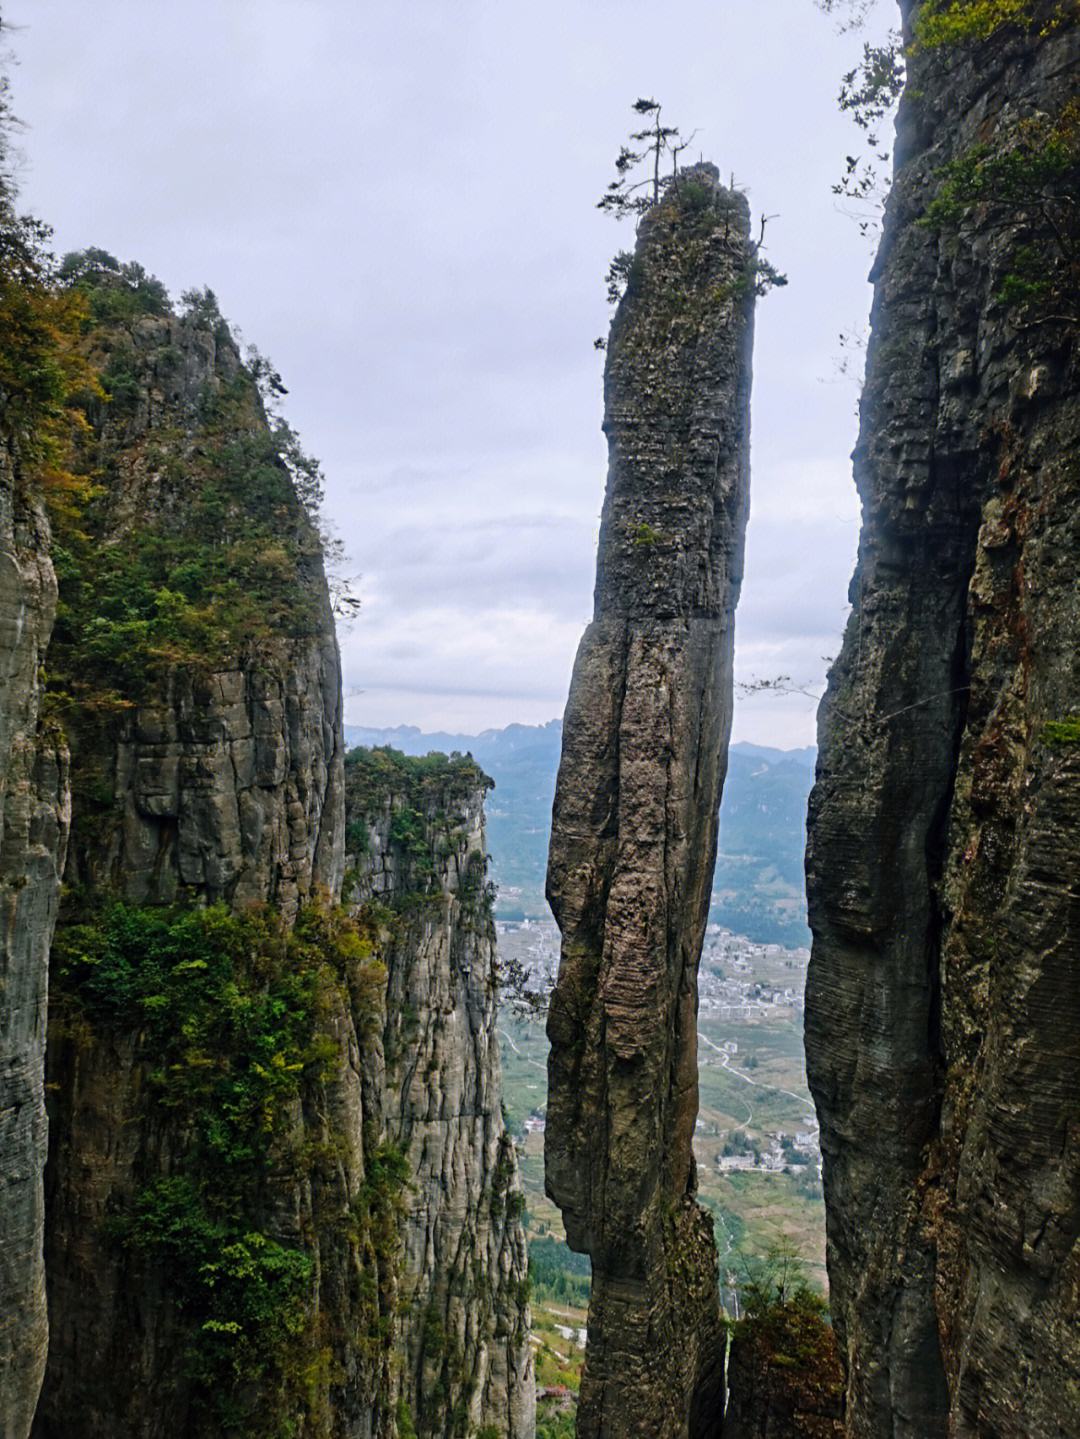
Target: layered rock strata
{"points": [[417, 847], [281, 1197], [635, 818], [942, 1020], [202, 782], [34, 813]]}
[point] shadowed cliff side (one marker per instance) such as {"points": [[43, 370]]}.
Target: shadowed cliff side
{"points": [[942, 1019], [635, 818], [39, 364]]}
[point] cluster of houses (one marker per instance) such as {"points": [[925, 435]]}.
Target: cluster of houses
{"points": [[792, 1153], [726, 983]]}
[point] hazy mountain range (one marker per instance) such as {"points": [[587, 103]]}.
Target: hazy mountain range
{"points": [[758, 887]]}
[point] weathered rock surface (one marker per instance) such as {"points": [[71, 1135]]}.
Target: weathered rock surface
{"points": [[202, 782], [417, 846], [635, 820], [942, 1022], [213, 784], [34, 813]]}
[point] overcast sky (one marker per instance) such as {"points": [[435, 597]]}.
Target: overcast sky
{"points": [[394, 199]]}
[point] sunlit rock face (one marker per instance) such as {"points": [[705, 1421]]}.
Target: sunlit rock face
{"points": [[34, 813], [943, 1013], [634, 832]]}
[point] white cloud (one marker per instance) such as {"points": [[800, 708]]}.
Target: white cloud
{"points": [[397, 203]]}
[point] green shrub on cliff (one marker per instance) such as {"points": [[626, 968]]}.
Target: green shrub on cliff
{"points": [[232, 1017], [943, 23], [1062, 732], [784, 1359], [43, 371], [953, 22], [1022, 187]]}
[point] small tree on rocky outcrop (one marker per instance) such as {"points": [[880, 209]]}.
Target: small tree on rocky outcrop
{"points": [[627, 195], [642, 181]]}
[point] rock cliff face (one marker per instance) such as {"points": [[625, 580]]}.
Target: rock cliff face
{"points": [[211, 777], [634, 831], [416, 846], [34, 811], [277, 1155], [942, 1022]]}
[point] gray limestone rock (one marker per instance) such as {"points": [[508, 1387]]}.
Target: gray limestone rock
{"points": [[422, 854], [942, 1029], [34, 814], [635, 819]]}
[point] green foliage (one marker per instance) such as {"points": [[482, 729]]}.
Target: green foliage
{"points": [[783, 1343], [869, 91], [408, 832], [117, 294], [623, 272], [501, 1178], [691, 202], [375, 774], [231, 1014], [403, 1416], [1062, 732], [228, 1007], [942, 23], [225, 562], [41, 366], [246, 1295], [221, 572], [557, 1274], [646, 536], [554, 1423], [1023, 185], [426, 796], [626, 196]]}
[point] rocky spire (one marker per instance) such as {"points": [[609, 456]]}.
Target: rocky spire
{"points": [[635, 820]]}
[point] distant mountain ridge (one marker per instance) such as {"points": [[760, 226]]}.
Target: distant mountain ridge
{"points": [[758, 887]]}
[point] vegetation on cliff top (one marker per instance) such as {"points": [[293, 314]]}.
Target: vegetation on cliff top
{"points": [[942, 23], [639, 188], [42, 367], [377, 774], [785, 1360], [222, 557]]}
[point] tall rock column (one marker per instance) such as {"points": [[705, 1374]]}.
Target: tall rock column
{"points": [[417, 849], [943, 1013], [635, 819], [34, 812]]}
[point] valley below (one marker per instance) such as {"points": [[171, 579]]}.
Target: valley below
{"points": [[756, 1141]]}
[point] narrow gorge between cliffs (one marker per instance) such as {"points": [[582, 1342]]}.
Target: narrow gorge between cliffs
{"points": [[614, 1076]]}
